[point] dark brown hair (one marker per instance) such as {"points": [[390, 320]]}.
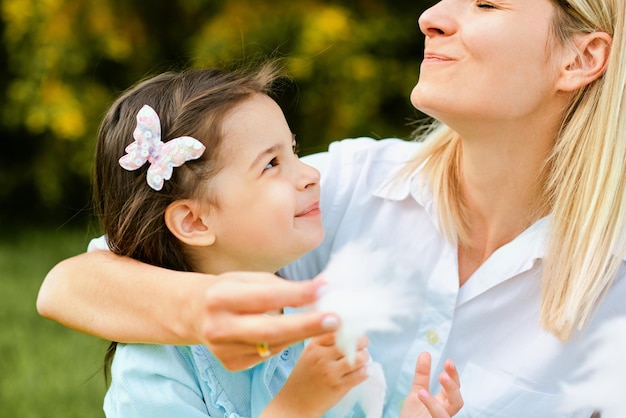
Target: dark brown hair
{"points": [[189, 103]]}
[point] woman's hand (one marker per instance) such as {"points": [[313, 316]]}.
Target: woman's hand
{"points": [[321, 378], [234, 320], [120, 299], [421, 404]]}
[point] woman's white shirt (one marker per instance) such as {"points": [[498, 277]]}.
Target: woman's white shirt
{"points": [[510, 367]]}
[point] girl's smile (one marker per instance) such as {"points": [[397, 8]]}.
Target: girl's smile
{"points": [[268, 200]]}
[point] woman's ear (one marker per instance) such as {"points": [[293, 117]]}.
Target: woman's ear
{"points": [[587, 62], [188, 222]]}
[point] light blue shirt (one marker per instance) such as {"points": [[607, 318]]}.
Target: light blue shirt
{"points": [[188, 381]]}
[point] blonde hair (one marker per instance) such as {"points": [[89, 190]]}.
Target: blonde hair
{"points": [[585, 179]]}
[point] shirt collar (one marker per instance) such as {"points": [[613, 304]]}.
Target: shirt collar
{"points": [[398, 188]]}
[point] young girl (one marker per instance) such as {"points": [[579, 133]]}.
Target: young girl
{"points": [[197, 171], [211, 183]]}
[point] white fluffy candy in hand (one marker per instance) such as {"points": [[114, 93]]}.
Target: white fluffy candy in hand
{"points": [[367, 293]]}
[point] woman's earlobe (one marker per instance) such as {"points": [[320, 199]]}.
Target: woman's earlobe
{"points": [[188, 223], [588, 63]]}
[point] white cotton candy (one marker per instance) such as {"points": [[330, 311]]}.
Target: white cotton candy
{"points": [[600, 378], [367, 293], [370, 395]]}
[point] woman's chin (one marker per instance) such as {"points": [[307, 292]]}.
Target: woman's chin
{"points": [[420, 100]]}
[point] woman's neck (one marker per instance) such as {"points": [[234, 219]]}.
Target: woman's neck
{"points": [[502, 181]]}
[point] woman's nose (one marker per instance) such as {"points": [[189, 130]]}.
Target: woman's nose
{"points": [[437, 20]]}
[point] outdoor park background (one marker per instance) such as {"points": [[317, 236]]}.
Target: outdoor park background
{"points": [[353, 62]]}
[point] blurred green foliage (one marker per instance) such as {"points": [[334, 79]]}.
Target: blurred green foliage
{"points": [[46, 370], [354, 63]]}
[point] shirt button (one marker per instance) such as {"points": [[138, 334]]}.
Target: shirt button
{"points": [[285, 355], [432, 337]]}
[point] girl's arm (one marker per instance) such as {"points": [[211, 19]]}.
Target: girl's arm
{"points": [[321, 378], [123, 300]]}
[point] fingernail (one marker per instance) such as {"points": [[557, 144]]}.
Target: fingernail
{"points": [[423, 394], [322, 290], [330, 322]]}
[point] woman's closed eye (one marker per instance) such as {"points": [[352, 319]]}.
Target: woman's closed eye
{"points": [[484, 5]]}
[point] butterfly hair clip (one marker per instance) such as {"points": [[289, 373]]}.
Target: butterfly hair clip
{"points": [[162, 156]]}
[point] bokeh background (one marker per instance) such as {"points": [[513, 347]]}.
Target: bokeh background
{"points": [[353, 62]]}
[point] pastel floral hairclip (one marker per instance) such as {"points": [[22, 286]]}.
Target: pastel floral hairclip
{"points": [[162, 156]]}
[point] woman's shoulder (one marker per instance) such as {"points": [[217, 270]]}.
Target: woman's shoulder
{"points": [[355, 151], [370, 162], [389, 149]]}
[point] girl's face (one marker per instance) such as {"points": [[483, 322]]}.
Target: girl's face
{"points": [[491, 59], [268, 200]]}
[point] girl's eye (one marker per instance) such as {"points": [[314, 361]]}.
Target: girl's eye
{"points": [[272, 163], [295, 148]]}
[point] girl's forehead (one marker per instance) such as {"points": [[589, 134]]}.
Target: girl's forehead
{"points": [[257, 116], [253, 126]]}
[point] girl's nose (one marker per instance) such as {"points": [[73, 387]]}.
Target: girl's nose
{"points": [[309, 176]]}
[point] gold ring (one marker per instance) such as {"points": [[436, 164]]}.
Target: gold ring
{"points": [[263, 349]]}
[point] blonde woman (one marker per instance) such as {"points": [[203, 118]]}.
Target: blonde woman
{"points": [[509, 216]]}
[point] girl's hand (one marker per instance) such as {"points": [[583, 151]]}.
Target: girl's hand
{"points": [[320, 379], [234, 319], [421, 404]]}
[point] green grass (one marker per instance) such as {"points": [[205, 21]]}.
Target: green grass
{"points": [[46, 370]]}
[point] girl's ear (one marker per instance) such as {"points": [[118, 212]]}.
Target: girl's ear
{"points": [[189, 223], [587, 62]]}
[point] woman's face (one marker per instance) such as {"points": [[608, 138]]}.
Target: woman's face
{"points": [[487, 59]]}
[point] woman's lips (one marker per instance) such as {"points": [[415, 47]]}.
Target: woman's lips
{"points": [[312, 210]]}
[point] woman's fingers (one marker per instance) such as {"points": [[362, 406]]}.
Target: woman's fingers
{"points": [[239, 335], [235, 305], [272, 329], [241, 355], [237, 357], [252, 292], [234, 320]]}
